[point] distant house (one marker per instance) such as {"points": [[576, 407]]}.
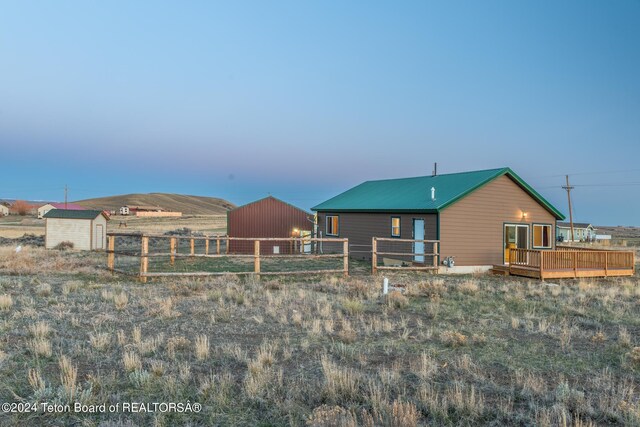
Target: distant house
{"points": [[4, 210], [477, 216], [86, 229], [582, 232], [42, 210], [268, 217], [124, 210]]}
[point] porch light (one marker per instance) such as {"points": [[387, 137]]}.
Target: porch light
{"points": [[524, 215]]}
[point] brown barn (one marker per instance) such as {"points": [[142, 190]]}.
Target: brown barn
{"points": [[476, 215], [268, 217]]}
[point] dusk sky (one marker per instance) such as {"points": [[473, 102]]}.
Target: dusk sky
{"points": [[305, 99]]}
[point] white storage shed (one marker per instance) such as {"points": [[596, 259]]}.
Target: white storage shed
{"points": [[86, 229]]}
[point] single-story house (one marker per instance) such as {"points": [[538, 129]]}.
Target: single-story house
{"points": [[86, 229], [476, 216], [582, 232], [271, 218], [4, 210], [42, 210]]}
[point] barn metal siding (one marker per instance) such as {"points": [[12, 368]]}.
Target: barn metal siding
{"points": [[267, 217]]}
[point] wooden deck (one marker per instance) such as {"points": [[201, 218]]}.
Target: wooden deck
{"points": [[568, 262]]}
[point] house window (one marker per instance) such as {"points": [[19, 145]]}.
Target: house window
{"points": [[333, 225], [541, 236], [395, 226]]}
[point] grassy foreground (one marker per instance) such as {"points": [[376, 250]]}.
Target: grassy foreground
{"points": [[469, 350]]}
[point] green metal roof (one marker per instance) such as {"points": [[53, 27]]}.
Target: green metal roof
{"points": [[72, 214], [414, 194]]}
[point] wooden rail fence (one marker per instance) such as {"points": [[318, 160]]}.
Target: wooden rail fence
{"points": [[222, 250], [406, 255]]}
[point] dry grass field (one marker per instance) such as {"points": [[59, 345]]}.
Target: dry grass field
{"points": [[467, 350]]}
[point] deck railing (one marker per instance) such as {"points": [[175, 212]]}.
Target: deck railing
{"points": [[580, 262]]}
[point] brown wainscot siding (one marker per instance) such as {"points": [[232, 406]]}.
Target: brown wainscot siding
{"points": [[361, 227], [472, 229]]}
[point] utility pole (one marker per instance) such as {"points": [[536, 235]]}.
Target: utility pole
{"points": [[65, 196], [569, 188]]}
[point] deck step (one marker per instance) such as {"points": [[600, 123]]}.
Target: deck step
{"points": [[502, 270]]}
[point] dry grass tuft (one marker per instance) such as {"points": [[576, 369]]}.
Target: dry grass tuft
{"points": [[120, 300], [202, 347], [453, 338], [634, 356], [6, 302], [341, 384], [68, 377], [43, 290], [404, 415], [36, 382], [332, 416], [131, 361], [40, 347], [39, 329], [395, 299], [352, 306], [100, 341]]}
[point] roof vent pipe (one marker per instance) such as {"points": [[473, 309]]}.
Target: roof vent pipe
{"points": [[433, 193]]}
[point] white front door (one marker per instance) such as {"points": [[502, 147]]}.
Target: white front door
{"points": [[418, 234]]}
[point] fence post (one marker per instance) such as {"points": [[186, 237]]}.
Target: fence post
{"points": [[435, 255], [575, 263], [256, 257], [172, 249], [374, 255], [193, 247], [345, 250], [144, 259], [217, 246], [206, 246], [606, 264], [228, 244], [112, 256]]}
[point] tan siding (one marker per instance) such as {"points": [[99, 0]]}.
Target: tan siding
{"points": [[472, 229], [77, 231]]}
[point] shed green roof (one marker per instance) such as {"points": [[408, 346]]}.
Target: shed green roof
{"points": [[414, 194], [73, 214]]}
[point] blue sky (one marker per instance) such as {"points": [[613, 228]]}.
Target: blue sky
{"points": [[306, 99]]}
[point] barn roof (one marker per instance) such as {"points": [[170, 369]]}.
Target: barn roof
{"points": [[414, 194], [264, 199], [74, 214]]}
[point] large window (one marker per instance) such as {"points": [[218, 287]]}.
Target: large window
{"points": [[541, 236], [395, 226], [333, 225]]}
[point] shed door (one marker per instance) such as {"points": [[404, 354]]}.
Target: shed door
{"points": [[418, 234], [99, 237]]}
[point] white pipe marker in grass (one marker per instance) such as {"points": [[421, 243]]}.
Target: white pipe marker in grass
{"points": [[385, 286]]}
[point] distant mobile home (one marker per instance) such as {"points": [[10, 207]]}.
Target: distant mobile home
{"points": [[477, 216], [582, 232], [4, 210], [86, 229], [268, 217]]}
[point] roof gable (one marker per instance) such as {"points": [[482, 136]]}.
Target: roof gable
{"points": [[414, 194], [265, 199], [74, 214]]}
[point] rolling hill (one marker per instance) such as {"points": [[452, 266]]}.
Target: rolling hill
{"points": [[189, 205]]}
